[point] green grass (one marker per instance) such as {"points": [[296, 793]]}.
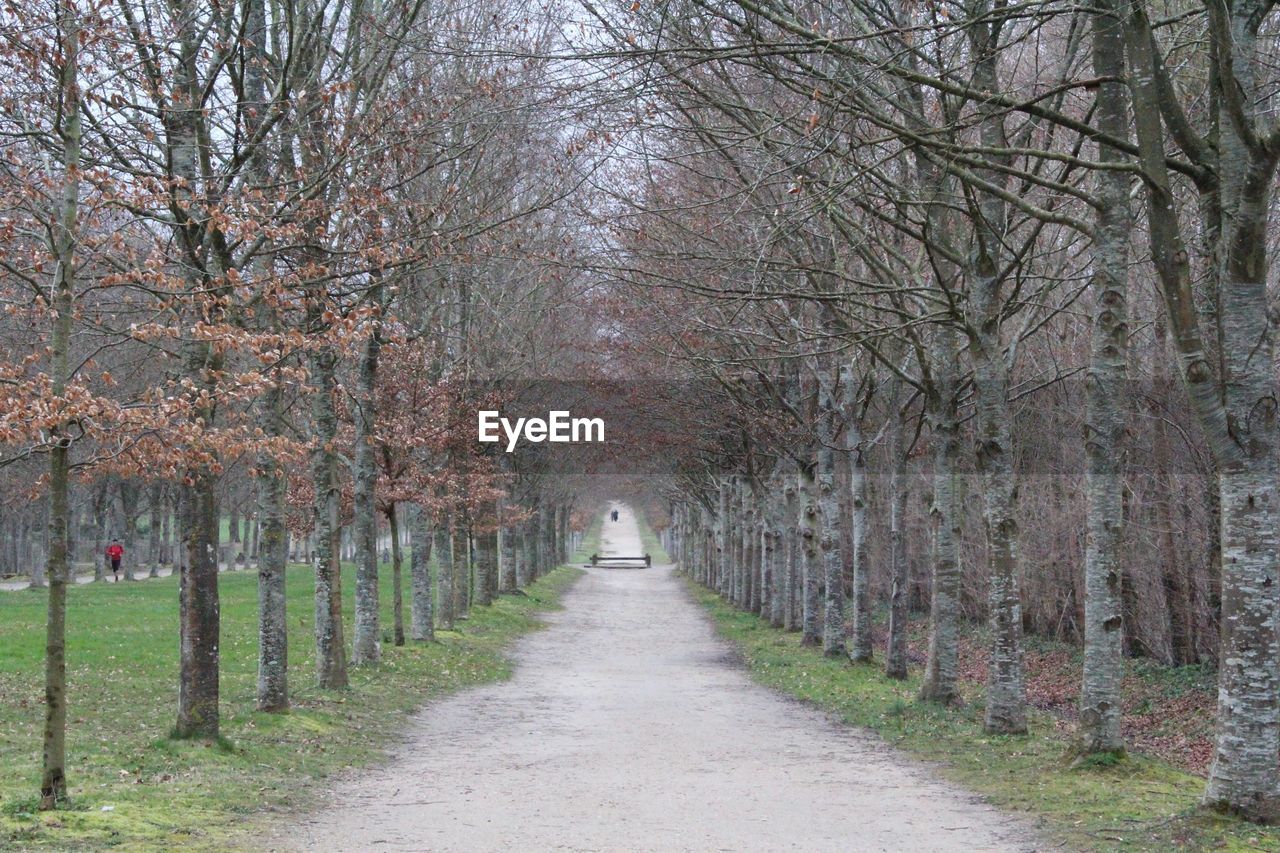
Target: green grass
{"points": [[133, 787], [1136, 803]]}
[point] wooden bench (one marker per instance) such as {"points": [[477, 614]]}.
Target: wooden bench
{"points": [[619, 562]]}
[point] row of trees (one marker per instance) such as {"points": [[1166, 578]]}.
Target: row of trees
{"points": [[140, 515], [269, 256], [976, 247], [927, 266]]}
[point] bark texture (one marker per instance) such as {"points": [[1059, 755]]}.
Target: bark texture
{"points": [[366, 647], [860, 639], [1006, 692], [421, 622], [833, 644], [895, 655], [939, 684], [273, 639], [444, 571], [53, 778], [331, 657], [1100, 698], [397, 576], [810, 566]]}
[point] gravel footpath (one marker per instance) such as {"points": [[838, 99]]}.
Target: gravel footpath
{"points": [[629, 726]]}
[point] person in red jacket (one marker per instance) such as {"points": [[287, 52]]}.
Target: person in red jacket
{"points": [[115, 551]]}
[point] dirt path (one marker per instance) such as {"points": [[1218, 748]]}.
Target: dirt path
{"points": [[628, 726]]}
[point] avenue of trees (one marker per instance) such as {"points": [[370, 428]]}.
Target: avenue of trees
{"points": [[960, 308], [262, 261], [975, 298]]}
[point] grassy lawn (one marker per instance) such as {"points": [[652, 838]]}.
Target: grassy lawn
{"points": [[134, 787], [1138, 804]]}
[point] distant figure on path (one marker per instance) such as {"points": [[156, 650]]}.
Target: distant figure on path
{"points": [[613, 516], [115, 552]]}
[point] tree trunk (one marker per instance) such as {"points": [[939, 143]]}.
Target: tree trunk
{"points": [[833, 644], [444, 570], [422, 618], [508, 549], [397, 577], [537, 532], [100, 538], [1100, 697], [155, 507], [53, 780], [791, 554], [860, 645], [986, 269], [462, 580], [199, 614], [270, 537], [562, 534], [126, 526], [524, 567], [1243, 776], [549, 538], [770, 598], [492, 545], [331, 661], [809, 562], [37, 563], [737, 583], [940, 673], [746, 520], [166, 531], [895, 656], [367, 639], [1237, 410], [53, 784], [775, 557], [198, 604], [1006, 694], [273, 630], [487, 569], [723, 538], [1174, 576], [1211, 627], [742, 544]]}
